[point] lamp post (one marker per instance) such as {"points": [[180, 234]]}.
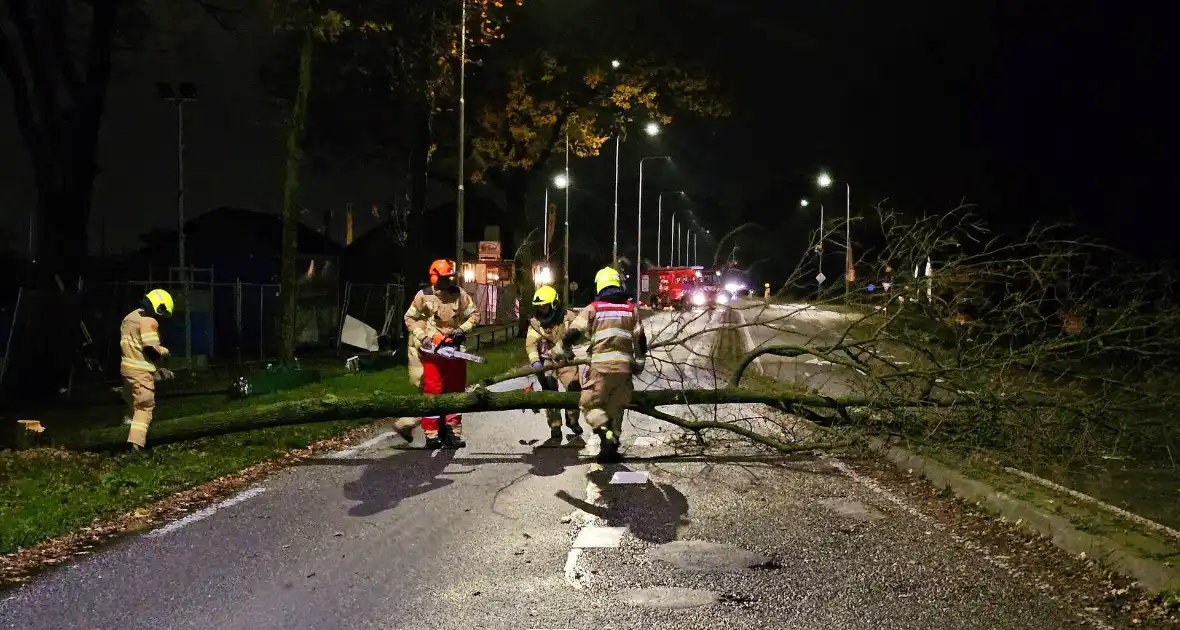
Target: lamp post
{"points": [[545, 226], [186, 92], [565, 296], [651, 129], [825, 181], [660, 222], [819, 247], [694, 249], [459, 193], [639, 231]]}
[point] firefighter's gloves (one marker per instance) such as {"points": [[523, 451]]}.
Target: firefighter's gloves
{"points": [[455, 339], [165, 374], [538, 365], [163, 351]]}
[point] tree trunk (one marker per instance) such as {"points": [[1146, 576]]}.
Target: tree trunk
{"points": [[394, 406], [289, 281], [59, 116]]}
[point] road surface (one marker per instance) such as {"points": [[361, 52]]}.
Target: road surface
{"points": [[502, 536]]}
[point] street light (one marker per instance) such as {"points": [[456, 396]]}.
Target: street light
{"points": [[825, 181], [651, 129], [819, 247], [615, 63], [660, 222], [460, 196], [186, 92], [639, 231], [564, 183], [560, 181]]}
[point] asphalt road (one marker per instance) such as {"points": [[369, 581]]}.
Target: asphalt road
{"points": [[502, 536]]}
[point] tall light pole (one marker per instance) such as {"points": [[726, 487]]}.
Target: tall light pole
{"points": [[672, 244], [545, 226], [186, 92], [651, 129], [694, 249], [459, 193], [614, 251], [825, 181], [819, 247], [660, 222], [565, 296], [639, 231]]}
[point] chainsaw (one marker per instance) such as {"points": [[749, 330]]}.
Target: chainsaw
{"points": [[451, 352]]}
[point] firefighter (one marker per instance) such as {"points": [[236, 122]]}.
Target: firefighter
{"points": [[139, 340], [440, 315], [618, 349], [546, 329]]}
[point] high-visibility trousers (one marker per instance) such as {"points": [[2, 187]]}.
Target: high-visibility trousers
{"points": [[568, 377], [139, 392], [441, 375], [605, 397]]}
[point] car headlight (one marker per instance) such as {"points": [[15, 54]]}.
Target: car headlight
{"points": [[698, 298], [722, 298]]}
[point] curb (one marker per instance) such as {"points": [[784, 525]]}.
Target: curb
{"points": [[1152, 574]]}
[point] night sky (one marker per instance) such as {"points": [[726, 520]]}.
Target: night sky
{"points": [[1058, 110]]}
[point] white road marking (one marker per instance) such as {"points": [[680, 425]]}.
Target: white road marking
{"points": [[630, 477], [598, 536], [745, 325], [349, 452], [206, 512]]}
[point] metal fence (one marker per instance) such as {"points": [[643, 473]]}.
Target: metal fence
{"points": [[378, 305]]}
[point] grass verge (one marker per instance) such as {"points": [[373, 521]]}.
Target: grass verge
{"points": [[45, 493]]}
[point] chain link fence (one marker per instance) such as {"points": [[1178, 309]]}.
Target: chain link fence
{"points": [[380, 306]]}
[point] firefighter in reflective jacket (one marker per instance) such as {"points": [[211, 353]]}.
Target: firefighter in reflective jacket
{"points": [[546, 330], [440, 315], [618, 349], [139, 340]]}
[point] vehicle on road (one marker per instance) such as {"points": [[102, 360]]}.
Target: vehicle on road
{"points": [[670, 286]]}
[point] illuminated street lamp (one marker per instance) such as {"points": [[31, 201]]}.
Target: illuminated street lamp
{"points": [[824, 180], [819, 247], [615, 63], [652, 129], [561, 181]]}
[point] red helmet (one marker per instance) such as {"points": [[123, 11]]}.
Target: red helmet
{"points": [[441, 268]]}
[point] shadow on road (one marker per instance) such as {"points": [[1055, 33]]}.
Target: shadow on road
{"points": [[388, 481], [651, 512]]}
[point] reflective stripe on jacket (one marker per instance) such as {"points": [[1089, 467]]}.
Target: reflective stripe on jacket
{"points": [[540, 341], [138, 331], [616, 335], [429, 314]]}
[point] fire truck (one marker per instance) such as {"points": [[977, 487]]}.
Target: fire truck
{"points": [[670, 286]]}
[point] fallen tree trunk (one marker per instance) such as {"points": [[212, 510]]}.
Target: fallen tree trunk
{"points": [[331, 408]]}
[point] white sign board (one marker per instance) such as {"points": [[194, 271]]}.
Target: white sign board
{"points": [[820, 277]]}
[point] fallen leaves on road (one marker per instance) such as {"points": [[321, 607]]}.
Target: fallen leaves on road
{"points": [[18, 567]]}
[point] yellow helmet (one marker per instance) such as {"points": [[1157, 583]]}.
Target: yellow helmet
{"points": [[160, 302], [544, 295], [607, 277]]}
